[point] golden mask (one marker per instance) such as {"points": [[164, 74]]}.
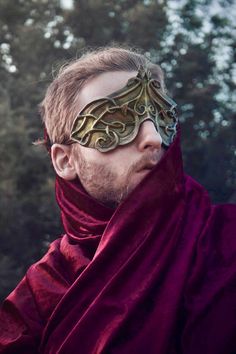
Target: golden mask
{"points": [[106, 123]]}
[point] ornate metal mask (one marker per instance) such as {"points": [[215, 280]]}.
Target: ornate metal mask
{"points": [[108, 122]]}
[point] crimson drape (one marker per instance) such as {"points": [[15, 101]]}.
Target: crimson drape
{"points": [[157, 275]]}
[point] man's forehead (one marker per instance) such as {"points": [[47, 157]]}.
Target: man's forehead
{"points": [[103, 85]]}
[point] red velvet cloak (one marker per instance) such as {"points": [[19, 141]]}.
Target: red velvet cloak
{"points": [[157, 275]]}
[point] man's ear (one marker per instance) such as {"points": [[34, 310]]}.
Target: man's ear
{"points": [[62, 161]]}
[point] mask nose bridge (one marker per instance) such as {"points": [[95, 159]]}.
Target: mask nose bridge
{"points": [[148, 117]]}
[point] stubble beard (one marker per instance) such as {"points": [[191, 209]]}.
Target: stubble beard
{"points": [[100, 183], [106, 186]]}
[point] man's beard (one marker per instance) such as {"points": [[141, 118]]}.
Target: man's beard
{"points": [[107, 187]]}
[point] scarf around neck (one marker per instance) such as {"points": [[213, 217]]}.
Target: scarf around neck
{"points": [[156, 275], [138, 262]]}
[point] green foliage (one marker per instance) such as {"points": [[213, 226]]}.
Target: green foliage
{"points": [[197, 49]]}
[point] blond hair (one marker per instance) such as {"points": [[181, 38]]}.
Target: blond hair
{"points": [[59, 107]]}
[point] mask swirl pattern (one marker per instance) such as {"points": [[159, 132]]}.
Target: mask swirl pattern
{"points": [[115, 120]]}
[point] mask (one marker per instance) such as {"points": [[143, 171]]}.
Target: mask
{"points": [[115, 120]]}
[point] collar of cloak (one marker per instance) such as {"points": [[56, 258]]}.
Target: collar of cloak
{"points": [[85, 219], [157, 275], [127, 298]]}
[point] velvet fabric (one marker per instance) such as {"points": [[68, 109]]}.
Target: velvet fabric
{"points": [[157, 275]]}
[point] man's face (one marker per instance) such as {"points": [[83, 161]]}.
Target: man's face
{"points": [[110, 176]]}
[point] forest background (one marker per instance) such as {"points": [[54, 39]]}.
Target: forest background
{"points": [[195, 43]]}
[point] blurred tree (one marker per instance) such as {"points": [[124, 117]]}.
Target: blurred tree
{"points": [[193, 40], [201, 67], [28, 210]]}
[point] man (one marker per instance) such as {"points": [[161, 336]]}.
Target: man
{"points": [[146, 264]]}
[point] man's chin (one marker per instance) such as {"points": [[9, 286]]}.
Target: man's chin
{"points": [[121, 196], [133, 182]]}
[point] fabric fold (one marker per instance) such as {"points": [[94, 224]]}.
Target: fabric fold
{"points": [[131, 289], [156, 275]]}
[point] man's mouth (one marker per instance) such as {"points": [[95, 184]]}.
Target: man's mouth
{"points": [[149, 162], [148, 166]]}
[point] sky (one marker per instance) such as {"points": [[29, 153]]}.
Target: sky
{"points": [[67, 4]]}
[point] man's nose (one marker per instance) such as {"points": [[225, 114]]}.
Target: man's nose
{"points": [[148, 137]]}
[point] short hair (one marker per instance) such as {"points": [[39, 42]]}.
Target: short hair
{"points": [[59, 107]]}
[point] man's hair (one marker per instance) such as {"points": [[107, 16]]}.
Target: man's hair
{"points": [[60, 105]]}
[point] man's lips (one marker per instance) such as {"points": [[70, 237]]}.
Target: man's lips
{"points": [[149, 162], [148, 166]]}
